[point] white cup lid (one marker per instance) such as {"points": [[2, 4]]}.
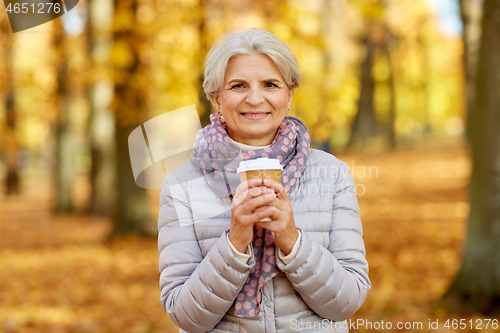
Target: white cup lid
{"points": [[259, 164]]}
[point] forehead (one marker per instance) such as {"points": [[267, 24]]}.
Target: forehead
{"points": [[253, 66]]}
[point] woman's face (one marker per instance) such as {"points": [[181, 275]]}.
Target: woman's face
{"points": [[254, 99]]}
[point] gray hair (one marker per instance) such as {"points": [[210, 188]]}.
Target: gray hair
{"points": [[240, 41]]}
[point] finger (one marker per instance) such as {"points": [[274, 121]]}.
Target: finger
{"points": [[259, 209], [242, 189], [275, 203], [277, 187], [255, 182], [262, 200], [255, 216], [247, 184], [251, 193], [282, 208], [264, 225], [269, 225], [268, 212]]}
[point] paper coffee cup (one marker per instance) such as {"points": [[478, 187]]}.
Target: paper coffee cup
{"points": [[263, 168]]}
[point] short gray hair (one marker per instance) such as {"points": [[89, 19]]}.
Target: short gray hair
{"points": [[240, 41]]}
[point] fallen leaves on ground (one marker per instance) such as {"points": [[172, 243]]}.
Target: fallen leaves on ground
{"points": [[414, 211], [58, 273]]}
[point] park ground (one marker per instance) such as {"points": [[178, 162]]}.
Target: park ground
{"points": [[60, 273]]}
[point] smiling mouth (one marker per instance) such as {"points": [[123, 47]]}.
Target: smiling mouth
{"points": [[255, 114]]}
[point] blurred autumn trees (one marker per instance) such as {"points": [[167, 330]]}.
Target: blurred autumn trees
{"points": [[99, 36], [64, 170], [477, 285], [365, 126], [470, 12], [130, 106], [9, 142], [376, 74]]}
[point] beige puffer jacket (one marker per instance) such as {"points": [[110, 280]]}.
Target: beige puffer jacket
{"points": [[325, 283]]}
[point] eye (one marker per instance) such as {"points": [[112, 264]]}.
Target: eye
{"points": [[239, 85], [270, 85]]}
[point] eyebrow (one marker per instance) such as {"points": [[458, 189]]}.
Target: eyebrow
{"points": [[266, 80]]}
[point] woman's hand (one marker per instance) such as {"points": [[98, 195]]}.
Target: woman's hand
{"points": [[283, 224], [249, 196]]}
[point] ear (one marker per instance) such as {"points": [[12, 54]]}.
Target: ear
{"points": [[216, 95], [291, 93]]}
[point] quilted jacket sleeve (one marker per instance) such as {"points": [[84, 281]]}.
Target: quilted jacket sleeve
{"points": [[196, 292], [333, 281]]}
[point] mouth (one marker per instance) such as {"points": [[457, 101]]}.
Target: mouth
{"points": [[255, 115]]}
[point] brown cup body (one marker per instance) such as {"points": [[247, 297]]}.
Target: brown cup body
{"points": [[262, 174]]}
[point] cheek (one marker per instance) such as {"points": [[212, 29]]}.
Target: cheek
{"points": [[229, 101], [281, 102], [285, 98]]}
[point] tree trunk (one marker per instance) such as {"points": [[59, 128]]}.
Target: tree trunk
{"points": [[477, 285], [102, 136], [470, 12], [64, 170], [204, 101], [133, 213], [11, 147], [9, 144], [422, 90], [391, 126], [324, 117], [365, 126]]}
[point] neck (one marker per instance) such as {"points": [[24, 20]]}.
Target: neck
{"points": [[246, 147], [257, 142]]}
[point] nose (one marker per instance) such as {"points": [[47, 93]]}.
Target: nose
{"points": [[254, 97]]}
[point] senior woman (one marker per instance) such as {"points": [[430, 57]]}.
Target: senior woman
{"points": [[222, 268]]}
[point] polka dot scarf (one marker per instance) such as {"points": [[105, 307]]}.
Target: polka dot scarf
{"points": [[219, 158], [247, 302]]}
